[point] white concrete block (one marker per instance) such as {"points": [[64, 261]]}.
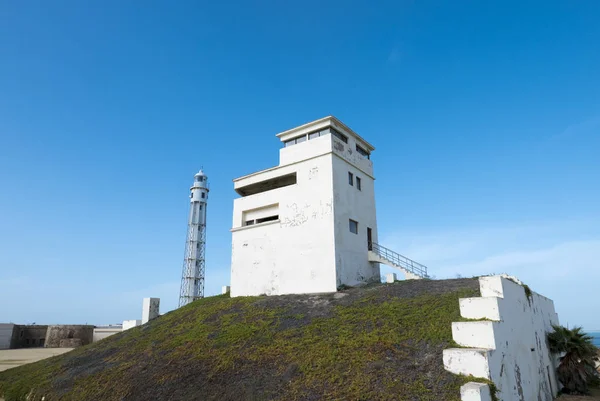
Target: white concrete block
{"points": [[473, 391], [390, 278], [518, 360], [410, 276], [150, 309], [474, 334], [467, 361], [128, 324], [491, 286], [225, 289], [480, 308]]}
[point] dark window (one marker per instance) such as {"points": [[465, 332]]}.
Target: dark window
{"points": [[358, 184], [249, 223], [353, 226], [362, 152], [340, 136], [350, 178], [294, 141], [203, 195], [22, 333], [201, 206], [27, 341], [313, 135], [265, 219], [42, 340], [267, 185]]}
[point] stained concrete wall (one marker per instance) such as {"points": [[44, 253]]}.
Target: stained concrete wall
{"points": [[509, 347], [56, 333], [29, 336], [6, 335]]}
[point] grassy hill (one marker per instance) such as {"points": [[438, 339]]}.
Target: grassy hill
{"points": [[381, 342]]}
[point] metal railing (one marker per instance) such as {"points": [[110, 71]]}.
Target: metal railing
{"points": [[399, 260]]}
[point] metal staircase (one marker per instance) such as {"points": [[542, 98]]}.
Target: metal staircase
{"points": [[410, 268]]}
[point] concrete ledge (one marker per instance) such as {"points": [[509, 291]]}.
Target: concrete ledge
{"points": [[480, 308], [474, 334], [473, 391], [467, 361]]}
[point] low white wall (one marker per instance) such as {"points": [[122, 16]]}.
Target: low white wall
{"points": [[509, 347], [103, 332], [128, 324]]}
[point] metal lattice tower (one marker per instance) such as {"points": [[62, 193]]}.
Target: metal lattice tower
{"points": [[192, 277]]}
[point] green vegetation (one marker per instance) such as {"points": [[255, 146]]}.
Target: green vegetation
{"points": [[577, 368], [382, 342]]}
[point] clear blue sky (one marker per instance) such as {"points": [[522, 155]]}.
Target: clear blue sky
{"points": [[486, 120]]}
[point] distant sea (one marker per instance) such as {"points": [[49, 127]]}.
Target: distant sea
{"points": [[596, 335]]}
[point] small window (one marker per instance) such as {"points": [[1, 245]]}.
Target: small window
{"points": [[353, 226], [201, 206], [340, 136], [313, 135], [350, 178], [27, 341], [203, 195], [265, 219], [358, 184], [289, 143], [301, 139], [249, 223], [363, 152]]}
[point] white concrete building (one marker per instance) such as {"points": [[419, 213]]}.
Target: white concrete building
{"points": [[305, 226]]}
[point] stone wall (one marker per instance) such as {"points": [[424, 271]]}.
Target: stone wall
{"points": [[507, 344], [56, 333], [29, 336]]}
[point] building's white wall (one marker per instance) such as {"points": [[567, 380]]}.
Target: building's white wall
{"points": [[129, 324], [6, 333], [300, 152], [150, 309], [103, 332], [513, 342], [294, 254], [352, 259]]}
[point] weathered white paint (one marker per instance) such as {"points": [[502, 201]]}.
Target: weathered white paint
{"points": [[6, 333], [467, 361], [150, 309], [129, 324], [390, 278], [309, 248], [102, 332], [475, 392], [512, 344]]}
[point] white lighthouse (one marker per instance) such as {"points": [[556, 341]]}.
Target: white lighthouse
{"points": [[192, 277]]}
